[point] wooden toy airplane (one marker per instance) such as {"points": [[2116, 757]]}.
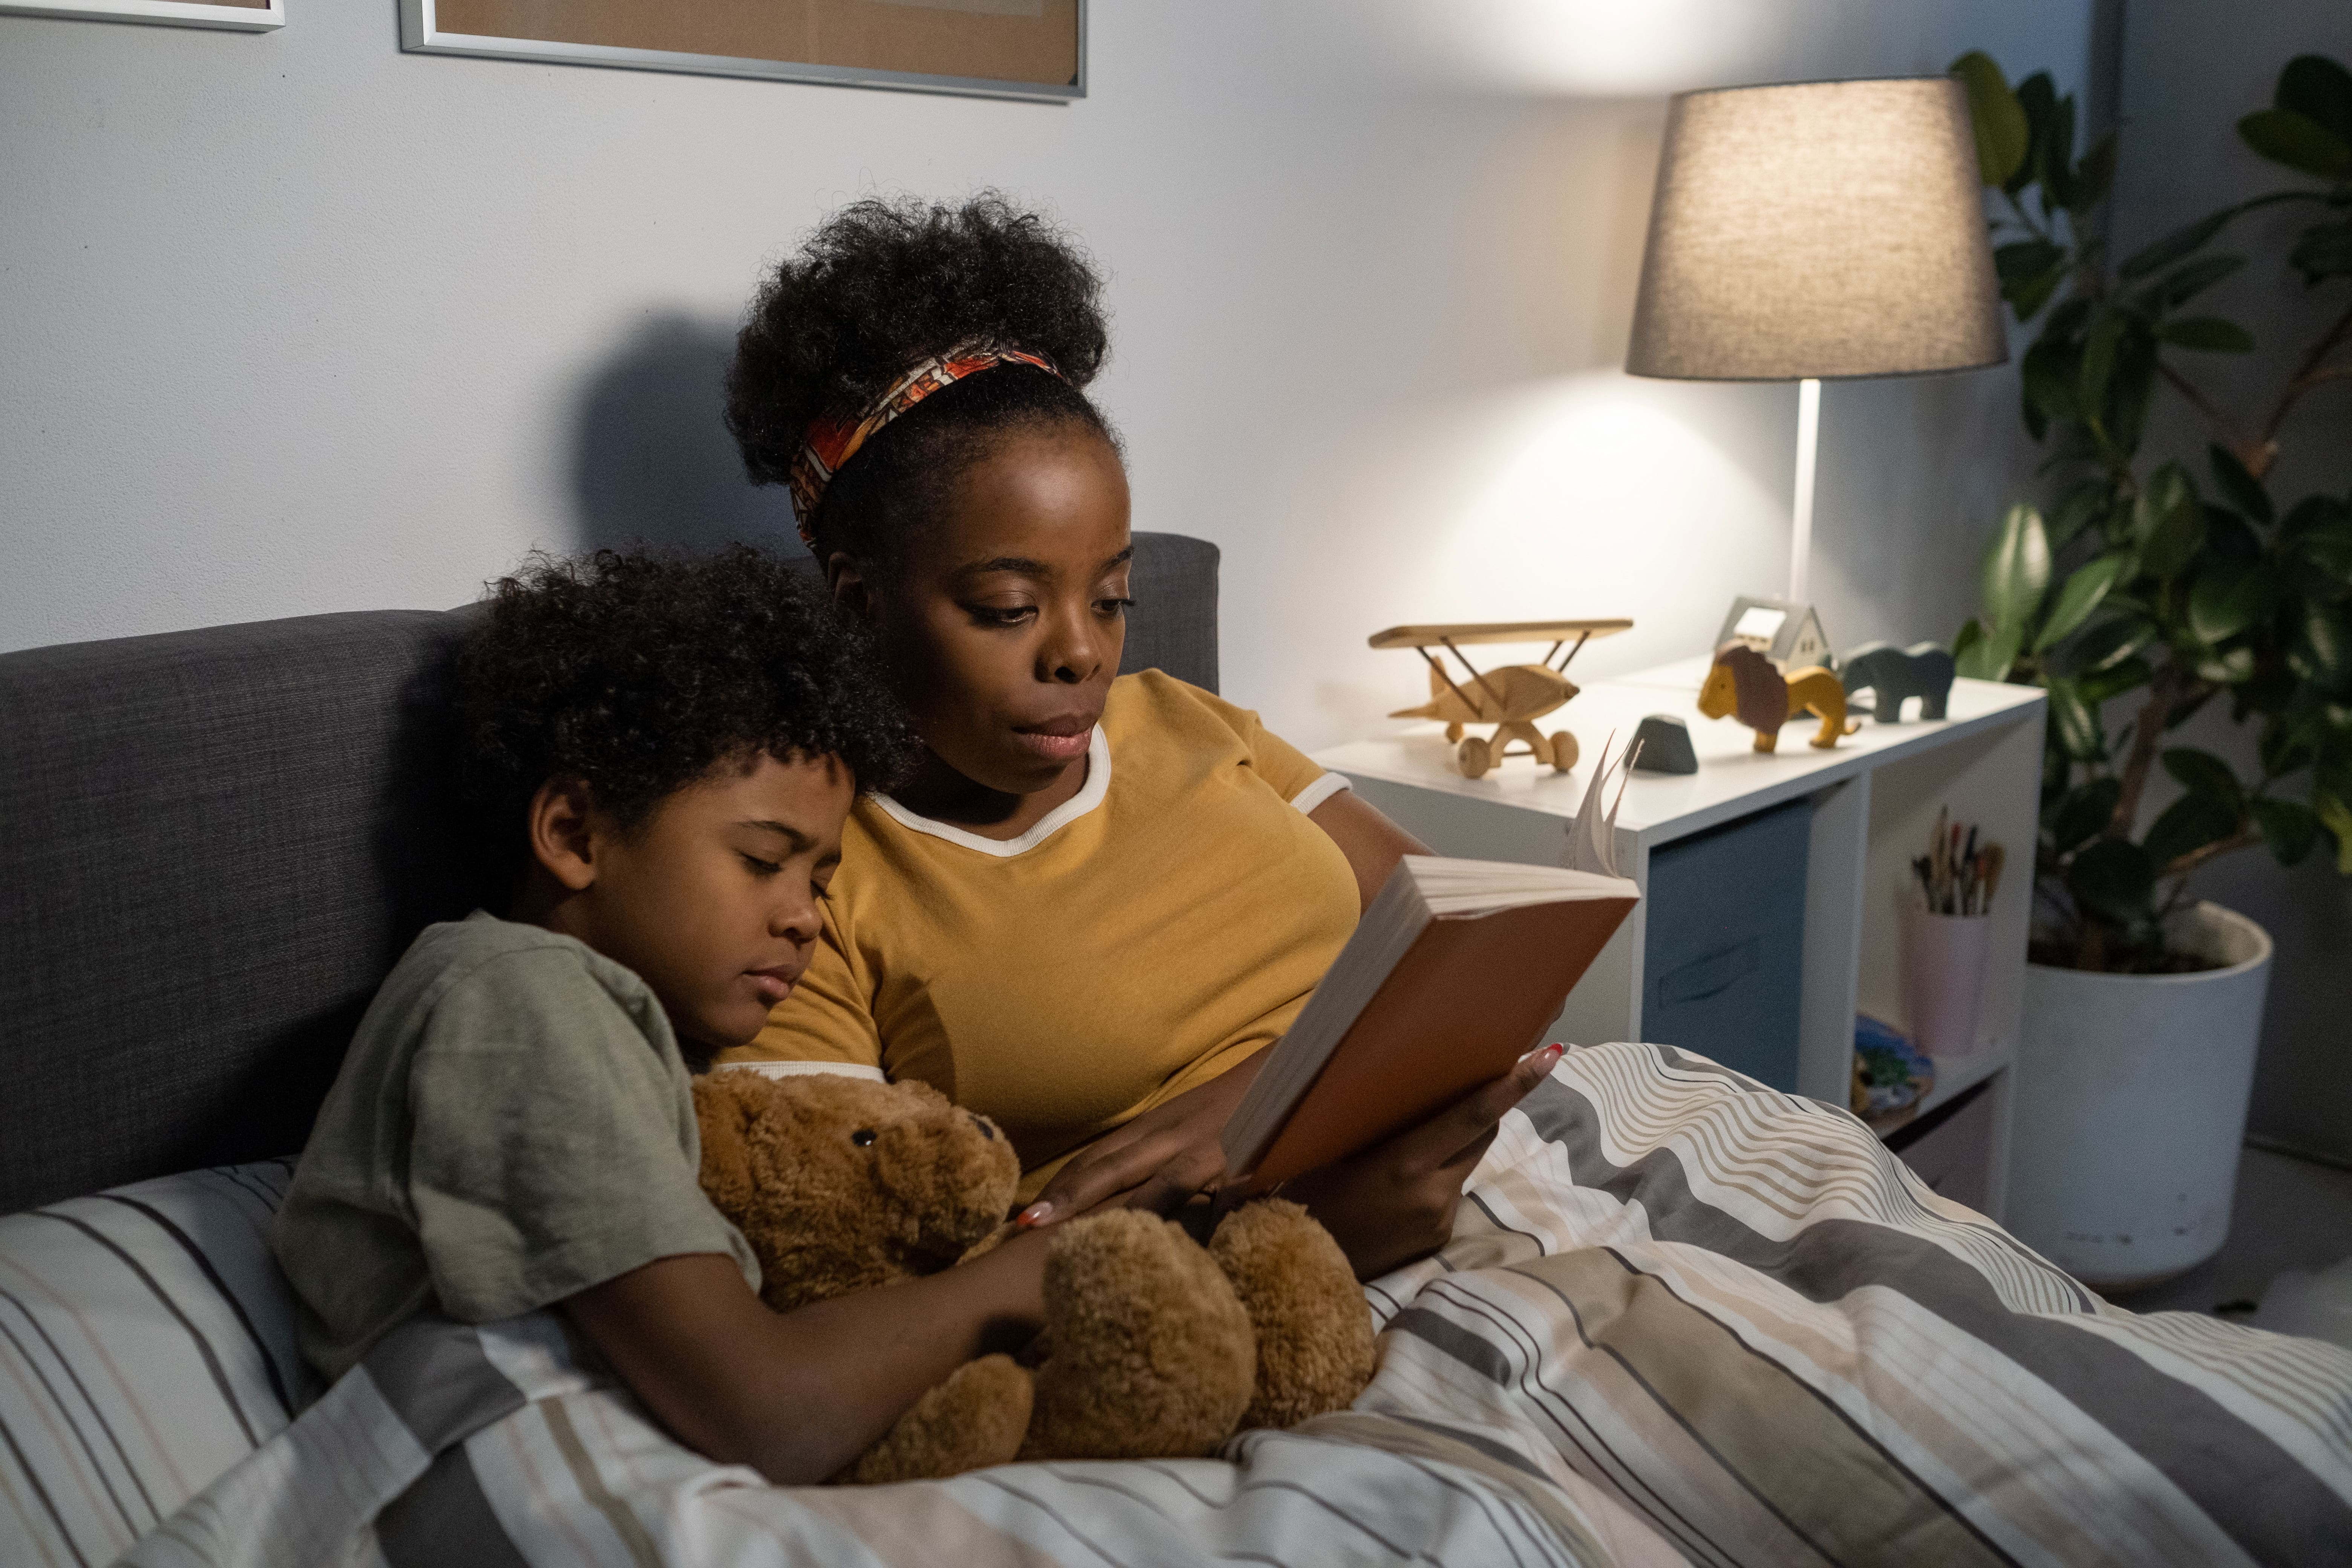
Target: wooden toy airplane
{"points": [[1510, 698]]}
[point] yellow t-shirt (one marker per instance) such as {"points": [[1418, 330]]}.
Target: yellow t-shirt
{"points": [[1149, 934]]}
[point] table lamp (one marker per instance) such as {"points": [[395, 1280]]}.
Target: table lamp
{"points": [[1813, 231]]}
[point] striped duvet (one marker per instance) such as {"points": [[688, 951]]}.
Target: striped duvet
{"points": [[1684, 1319]]}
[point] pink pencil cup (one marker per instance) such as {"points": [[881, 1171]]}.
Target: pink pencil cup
{"points": [[1943, 980]]}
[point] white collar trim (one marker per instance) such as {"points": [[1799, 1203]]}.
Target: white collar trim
{"points": [[1091, 795]]}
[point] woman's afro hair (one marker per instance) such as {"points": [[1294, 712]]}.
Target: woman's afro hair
{"points": [[643, 672], [880, 287]]}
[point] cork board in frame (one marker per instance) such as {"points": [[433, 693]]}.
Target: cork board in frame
{"points": [[237, 16], [999, 49]]}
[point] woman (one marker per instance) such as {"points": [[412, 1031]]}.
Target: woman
{"points": [[1100, 897]]}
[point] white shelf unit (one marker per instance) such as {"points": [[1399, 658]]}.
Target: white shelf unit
{"points": [[1874, 798]]}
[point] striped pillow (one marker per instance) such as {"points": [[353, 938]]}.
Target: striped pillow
{"points": [[146, 1345]]}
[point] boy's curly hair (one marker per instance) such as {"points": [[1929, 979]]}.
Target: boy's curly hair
{"points": [[642, 671], [880, 287]]}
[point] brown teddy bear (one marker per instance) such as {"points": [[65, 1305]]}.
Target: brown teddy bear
{"points": [[1153, 1346]]}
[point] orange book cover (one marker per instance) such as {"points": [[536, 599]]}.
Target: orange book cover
{"points": [[1473, 994]]}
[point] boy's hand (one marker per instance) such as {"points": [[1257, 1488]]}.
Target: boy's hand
{"points": [[1157, 1160], [1394, 1202]]}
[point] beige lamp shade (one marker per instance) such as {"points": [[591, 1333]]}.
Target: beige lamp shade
{"points": [[1817, 229]]}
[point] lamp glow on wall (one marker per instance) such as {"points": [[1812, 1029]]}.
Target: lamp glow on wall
{"points": [[1813, 231]]}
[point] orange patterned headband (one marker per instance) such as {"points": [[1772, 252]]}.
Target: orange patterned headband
{"points": [[834, 439]]}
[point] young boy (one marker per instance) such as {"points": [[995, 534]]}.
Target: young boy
{"points": [[665, 750]]}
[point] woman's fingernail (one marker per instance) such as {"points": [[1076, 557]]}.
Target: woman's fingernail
{"points": [[1549, 1055], [1035, 1214]]}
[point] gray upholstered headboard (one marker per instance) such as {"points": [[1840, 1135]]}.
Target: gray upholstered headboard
{"points": [[213, 843]]}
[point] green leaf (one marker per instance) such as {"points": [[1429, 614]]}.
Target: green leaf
{"points": [[2054, 158], [2170, 521], [2288, 827], [2227, 598], [2316, 512], [2097, 176], [2231, 667], [2283, 747], [2169, 490], [2131, 389], [2099, 357], [2112, 640], [2076, 723], [2203, 773], [2048, 374], [2114, 880], [2002, 135], [2238, 487], [2298, 141], [2075, 511], [2017, 569], [2185, 283], [2186, 825], [2336, 817], [2085, 814], [2173, 246], [1970, 635], [2329, 548], [2207, 334], [2100, 685], [1990, 658], [2025, 258], [2030, 272], [2229, 538], [2318, 89], [2039, 98], [2079, 596], [2321, 651], [2324, 251]]}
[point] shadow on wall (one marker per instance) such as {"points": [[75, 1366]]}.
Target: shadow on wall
{"points": [[651, 456]]}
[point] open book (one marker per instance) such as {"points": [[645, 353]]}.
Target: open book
{"points": [[1452, 975]]}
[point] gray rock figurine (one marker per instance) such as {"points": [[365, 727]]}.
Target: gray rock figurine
{"points": [[1664, 746]]}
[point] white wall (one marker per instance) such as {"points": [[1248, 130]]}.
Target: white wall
{"points": [[2187, 79], [295, 323]]}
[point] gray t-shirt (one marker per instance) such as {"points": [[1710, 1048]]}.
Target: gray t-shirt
{"points": [[513, 1123]]}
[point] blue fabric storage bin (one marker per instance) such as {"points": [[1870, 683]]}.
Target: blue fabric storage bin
{"points": [[1723, 967]]}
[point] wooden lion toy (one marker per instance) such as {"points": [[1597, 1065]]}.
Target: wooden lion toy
{"points": [[1743, 685]]}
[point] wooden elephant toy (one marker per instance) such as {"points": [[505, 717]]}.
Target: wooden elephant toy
{"points": [[1924, 671]]}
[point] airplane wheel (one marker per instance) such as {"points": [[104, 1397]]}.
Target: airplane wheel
{"points": [[1563, 750], [1475, 757], [1453, 733]]}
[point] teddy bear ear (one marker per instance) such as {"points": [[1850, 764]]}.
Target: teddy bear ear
{"points": [[724, 1114]]}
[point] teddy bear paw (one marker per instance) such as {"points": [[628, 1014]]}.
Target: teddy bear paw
{"points": [[1151, 1354], [1314, 1331], [973, 1419]]}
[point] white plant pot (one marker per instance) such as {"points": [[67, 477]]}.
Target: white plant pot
{"points": [[2131, 1106]]}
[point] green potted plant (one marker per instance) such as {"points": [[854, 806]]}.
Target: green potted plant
{"points": [[2145, 592]]}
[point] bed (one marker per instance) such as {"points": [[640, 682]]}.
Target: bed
{"points": [[1685, 1318]]}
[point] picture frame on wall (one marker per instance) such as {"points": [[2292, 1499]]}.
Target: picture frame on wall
{"points": [[238, 15], [1033, 49]]}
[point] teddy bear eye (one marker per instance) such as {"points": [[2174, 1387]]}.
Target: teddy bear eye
{"points": [[862, 1137]]}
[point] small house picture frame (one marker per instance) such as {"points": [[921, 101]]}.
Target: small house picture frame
{"points": [[1782, 630]]}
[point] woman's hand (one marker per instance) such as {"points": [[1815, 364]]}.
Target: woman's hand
{"points": [[1156, 1161], [1394, 1202]]}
